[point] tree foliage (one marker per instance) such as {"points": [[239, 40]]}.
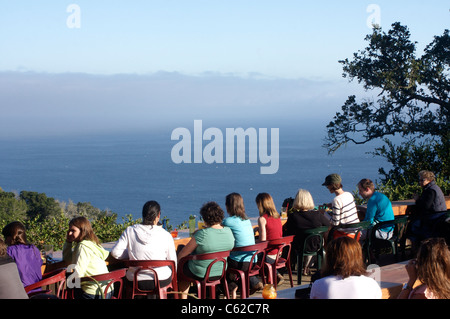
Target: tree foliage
{"points": [[11, 207], [413, 101], [414, 96], [47, 220], [40, 205]]}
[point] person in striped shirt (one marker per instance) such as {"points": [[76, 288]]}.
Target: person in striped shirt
{"points": [[343, 206]]}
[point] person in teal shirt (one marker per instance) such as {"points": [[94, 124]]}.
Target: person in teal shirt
{"points": [[243, 234], [379, 208], [214, 238]]}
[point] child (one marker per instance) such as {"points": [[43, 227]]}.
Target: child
{"points": [[27, 256]]}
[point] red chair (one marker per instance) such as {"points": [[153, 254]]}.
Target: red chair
{"points": [[216, 257], [255, 267], [283, 246], [57, 277], [115, 276], [150, 265]]}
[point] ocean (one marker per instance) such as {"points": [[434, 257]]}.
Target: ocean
{"points": [[121, 171]]}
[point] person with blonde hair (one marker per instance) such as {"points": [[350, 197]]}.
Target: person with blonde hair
{"points": [[432, 269], [269, 225], [304, 217], [344, 275], [303, 201], [269, 222], [83, 249]]}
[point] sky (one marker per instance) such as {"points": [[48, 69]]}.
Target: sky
{"points": [[98, 65]]}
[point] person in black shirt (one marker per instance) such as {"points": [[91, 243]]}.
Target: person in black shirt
{"points": [[304, 217]]}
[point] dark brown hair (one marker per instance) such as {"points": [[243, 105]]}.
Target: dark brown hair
{"points": [[235, 205], [150, 211], [212, 213], [15, 231], [343, 258]]}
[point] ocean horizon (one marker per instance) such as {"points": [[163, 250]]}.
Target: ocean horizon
{"points": [[121, 171]]}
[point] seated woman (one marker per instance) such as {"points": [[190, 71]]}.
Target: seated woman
{"points": [[83, 249], [213, 238], [344, 273], [243, 235], [147, 241], [269, 225], [431, 269], [11, 286], [27, 256], [304, 217]]}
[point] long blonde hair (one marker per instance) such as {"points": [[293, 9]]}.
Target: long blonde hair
{"points": [[265, 205]]}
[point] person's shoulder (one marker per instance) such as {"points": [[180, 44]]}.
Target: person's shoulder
{"points": [[325, 280], [379, 195], [230, 220], [367, 280], [347, 194]]}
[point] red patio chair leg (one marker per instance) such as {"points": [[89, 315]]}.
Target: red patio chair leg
{"points": [[225, 285]]}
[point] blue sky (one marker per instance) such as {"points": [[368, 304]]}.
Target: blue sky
{"points": [[214, 54], [275, 38]]}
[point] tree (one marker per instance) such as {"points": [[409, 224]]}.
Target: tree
{"points": [[413, 99], [39, 205], [11, 208]]}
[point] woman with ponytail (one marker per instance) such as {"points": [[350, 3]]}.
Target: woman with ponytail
{"points": [[147, 241]]}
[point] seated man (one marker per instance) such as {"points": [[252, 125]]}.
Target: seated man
{"points": [[379, 208], [430, 207]]}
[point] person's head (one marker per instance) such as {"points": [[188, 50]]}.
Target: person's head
{"points": [[366, 188], [333, 182], [15, 234], [265, 205], [212, 214], [151, 213], [433, 266], [234, 204], [343, 258], [303, 201], [80, 229], [426, 177]]}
